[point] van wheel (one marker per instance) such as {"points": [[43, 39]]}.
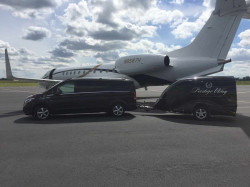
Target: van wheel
{"points": [[117, 110], [201, 113], [42, 113]]}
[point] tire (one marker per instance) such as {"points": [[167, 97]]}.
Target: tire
{"points": [[117, 110], [42, 113], [201, 113]]}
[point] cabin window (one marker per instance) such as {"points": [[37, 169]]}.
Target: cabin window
{"points": [[71, 73], [101, 71], [66, 73], [79, 72]]}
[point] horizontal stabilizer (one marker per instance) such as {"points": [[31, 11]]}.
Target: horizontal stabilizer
{"points": [[208, 71], [225, 7], [247, 14]]}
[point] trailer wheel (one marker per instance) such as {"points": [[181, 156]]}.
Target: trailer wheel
{"points": [[201, 112]]}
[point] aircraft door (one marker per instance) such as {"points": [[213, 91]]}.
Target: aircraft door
{"points": [[51, 73]]}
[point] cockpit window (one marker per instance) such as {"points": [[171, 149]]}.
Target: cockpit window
{"points": [[46, 74]]}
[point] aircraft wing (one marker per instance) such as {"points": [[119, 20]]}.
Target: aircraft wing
{"points": [[9, 75], [35, 80]]}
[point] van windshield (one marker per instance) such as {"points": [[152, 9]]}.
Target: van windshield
{"points": [[49, 91]]}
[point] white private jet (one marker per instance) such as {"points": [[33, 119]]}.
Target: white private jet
{"points": [[204, 56]]}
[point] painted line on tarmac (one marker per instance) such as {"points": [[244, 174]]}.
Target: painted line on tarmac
{"points": [[156, 90], [243, 107], [243, 92], [244, 102]]}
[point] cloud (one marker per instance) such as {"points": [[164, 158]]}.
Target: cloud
{"points": [[82, 44], [36, 33], [23, 59], [4, 45], [30, 9], [209, 3], [32, 13], [187, 28], [62, 52], [141, 4], [237, 69], [105, 15], [123, 33], [117, 20], [159, 16], [245, 38], [11, 50], [147, 46], [239, 54], [178, 2], [108, 56], [31, 4], [25, 52]]}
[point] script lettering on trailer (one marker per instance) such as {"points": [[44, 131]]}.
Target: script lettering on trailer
{"points": [[218, 91], [209, 90]]}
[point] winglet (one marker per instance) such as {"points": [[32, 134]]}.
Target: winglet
{"points": [[9, 75]]}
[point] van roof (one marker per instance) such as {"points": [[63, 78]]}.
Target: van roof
{"points": [[210, 77], [101, 79]]}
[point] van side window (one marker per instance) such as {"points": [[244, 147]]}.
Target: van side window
{"points": [[91, 86], [67, 88]]}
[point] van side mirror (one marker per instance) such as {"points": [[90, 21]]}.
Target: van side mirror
{"points": [[58, 91]]}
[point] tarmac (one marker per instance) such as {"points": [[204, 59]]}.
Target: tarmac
{"points": [[138, 149]]}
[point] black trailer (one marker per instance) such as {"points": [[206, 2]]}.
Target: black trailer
{"points": [[200, 96]]}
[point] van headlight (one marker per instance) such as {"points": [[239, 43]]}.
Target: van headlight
{"points": [[28, 100]]}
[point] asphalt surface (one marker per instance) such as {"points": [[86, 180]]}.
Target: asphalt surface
{"points": [[139, 149]]}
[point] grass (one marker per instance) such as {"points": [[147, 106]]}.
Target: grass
{"points": [[243, 82], [5, 83]]}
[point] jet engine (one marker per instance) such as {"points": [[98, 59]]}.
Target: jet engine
{"points": [[137, 64]]}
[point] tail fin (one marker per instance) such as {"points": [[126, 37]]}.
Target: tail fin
{"points": [[216, 37], [9, 75]]}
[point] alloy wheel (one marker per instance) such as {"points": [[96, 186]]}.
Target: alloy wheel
{"points": [[42, 113], [201, 113], [118, 110]]}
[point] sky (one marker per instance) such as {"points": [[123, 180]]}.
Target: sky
{"points": [[44, 34]]}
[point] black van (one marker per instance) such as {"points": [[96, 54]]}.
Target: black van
{"points": [[83, 95], [201, 96]]}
